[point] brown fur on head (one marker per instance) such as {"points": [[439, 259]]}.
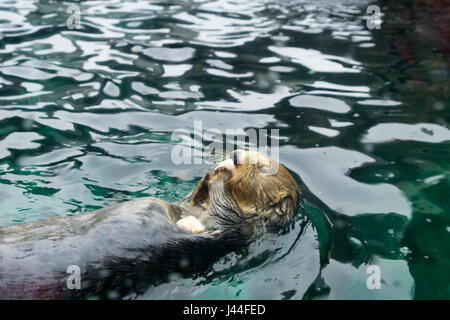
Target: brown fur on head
{"points": [[259, 185]]}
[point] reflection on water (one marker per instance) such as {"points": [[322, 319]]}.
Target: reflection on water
{"points": [[86, 117]]}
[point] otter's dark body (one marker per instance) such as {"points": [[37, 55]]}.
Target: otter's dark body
{"points": [[128, 247], [121, 249]]}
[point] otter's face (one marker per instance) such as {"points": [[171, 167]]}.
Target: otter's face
{"points": [[259, 185]]}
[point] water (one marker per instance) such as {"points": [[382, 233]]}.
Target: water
{"points": [[86, 117]]}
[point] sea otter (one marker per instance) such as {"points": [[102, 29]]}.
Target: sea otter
{"points": [[132, 245]]}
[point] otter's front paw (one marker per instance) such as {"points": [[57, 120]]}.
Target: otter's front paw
{"points": [[222, 173], [191, 224]]}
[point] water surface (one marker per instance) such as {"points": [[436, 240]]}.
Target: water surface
{"points": [[86, 117]]}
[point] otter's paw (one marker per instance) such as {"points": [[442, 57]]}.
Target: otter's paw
{"points": [[191, 224]]}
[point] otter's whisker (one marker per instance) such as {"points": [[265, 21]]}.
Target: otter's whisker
{"points": [[217, 156]]}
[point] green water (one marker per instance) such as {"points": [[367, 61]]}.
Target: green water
{"points": [[86, 117]]}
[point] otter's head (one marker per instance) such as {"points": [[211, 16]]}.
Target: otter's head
{"points": [[252, 187]]}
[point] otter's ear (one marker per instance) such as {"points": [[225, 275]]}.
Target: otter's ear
{"points": [[288, 207], [280, 212]]}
